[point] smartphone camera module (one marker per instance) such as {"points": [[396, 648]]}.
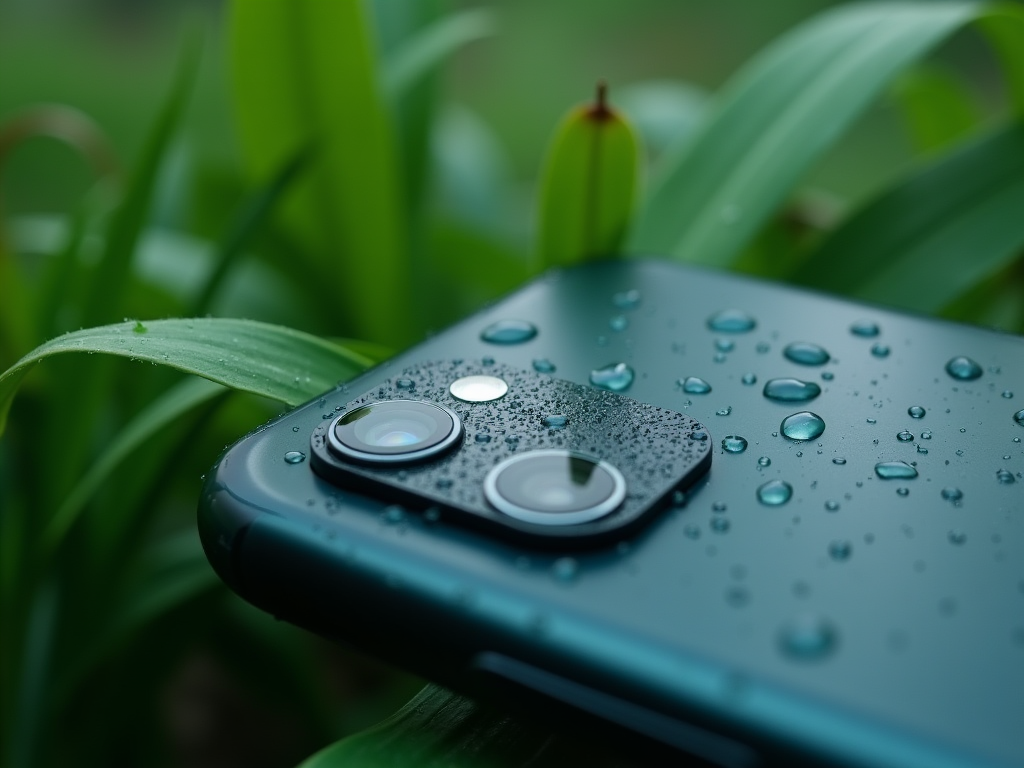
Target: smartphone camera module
{"points": [[555, 487], [394, 431]]}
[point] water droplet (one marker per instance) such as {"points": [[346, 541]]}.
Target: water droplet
{"points": [[618, 323], [832, 506], [865, 329], [734, 444], [956, 536], [763, 347], [719, 524], [432, 514], [731, 321], [691, 531], [693, 385], [922, 450], [952, 494], [444, 483], [1007, 394], [764, 461], [827, 375], [554, 421], [808, 638], [393, 514], [805, 353], [543, 365], [872, 421], [295, 429], [963, 368], [895, 470], [1019, 418], [840, 549], [482, 437], [791, 390], [512, 440], [803, 425], [565, 569], [749, 379], [902, 491], [615, 377], [839, 460], [916, 412], [926, 435], [139, 327], [1004, 476], [904, 436], [627, 299], [774, 493], [699, 435], [724, 411], [880, 350], [725, 345], [719, 506], [509, 332], [294, 457], [405, 384]]}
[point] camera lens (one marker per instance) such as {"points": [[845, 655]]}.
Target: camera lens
{"points": [[392, 431], [555, 487]]}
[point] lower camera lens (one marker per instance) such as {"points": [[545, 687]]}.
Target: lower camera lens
{"points": [[392, 431], [555, 487]]}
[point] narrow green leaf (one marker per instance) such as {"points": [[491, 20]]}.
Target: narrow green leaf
{"points": [[259, 358], [936, 107], [304, 73], [586, 195], [927, 240], [153, 419], [430, 46], [781, 112], [34, 678]]}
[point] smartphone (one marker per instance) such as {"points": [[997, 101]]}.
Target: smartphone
{"points": [[756, 524]]}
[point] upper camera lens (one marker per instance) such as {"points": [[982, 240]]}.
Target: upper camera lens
{"points": [[392, 431], [555, 487]]}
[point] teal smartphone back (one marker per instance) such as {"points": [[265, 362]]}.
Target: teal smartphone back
{"points": [[844, 585]]}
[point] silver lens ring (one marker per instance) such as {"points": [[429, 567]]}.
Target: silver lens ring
{"points": [[394, 432], [544, 485]]}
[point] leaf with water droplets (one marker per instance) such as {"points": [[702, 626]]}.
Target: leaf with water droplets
{"points": [[269, 360]]}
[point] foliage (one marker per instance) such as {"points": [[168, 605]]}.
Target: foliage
{"points": [[334, 229]]}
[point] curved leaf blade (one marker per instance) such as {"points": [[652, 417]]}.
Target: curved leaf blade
{"points": [[780, 113], [929, 239], [246, 355]]}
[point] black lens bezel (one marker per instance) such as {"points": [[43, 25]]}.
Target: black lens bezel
{"points": [[350, 447]]}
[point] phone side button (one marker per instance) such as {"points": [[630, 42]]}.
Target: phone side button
{"points": [[507, 673]]}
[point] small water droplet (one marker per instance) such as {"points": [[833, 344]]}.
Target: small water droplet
{"points": [[719, 524], [393, 514], [926, 435], [840, 549], [916, 412], [509, 332], [731, 321], [694, 385], [904, 436], [774, 493], [764, 461], [139, 327], [808, 638], [737, 596], [749, 379], [627, 299], [444, 483], [512, 440], [803, 425], [880, 350], [406, 384], [618, 323], [827, 375], [832, 506], [963, 368], [902, 491], [432, 514], [699, 435], [724, 411], [953, 494], [1019, 418], [294, 457], [922, 450], [805, 353], [839, 460], [734, 444], [956, 536], [1004, 476], [865, 329], [872, 421], [895, 470], [1007, 394], [763, 347], [719, 506], [615, 377], [543, 365], [725, 345], [295, 429], [554, 421], [691, 531], [482, 437], [565, 569], [791, 390]]}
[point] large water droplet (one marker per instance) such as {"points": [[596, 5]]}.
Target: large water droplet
{"points": [[803, 425], [694, 385], [865, 329], [895, 470], [916, 412], [294, 457], [627, 299], [963, 368], [615, 377], [791, 390], [808, 638], [731, 321], [805, 353], [509, 332], [952, 494], [734, 444], [905, 436], [1004, 476], [774, 493]]}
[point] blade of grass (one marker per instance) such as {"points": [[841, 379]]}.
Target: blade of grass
{"points": [[259, 358], [34, 679], [936, 106], [927, 240], [780, 112], [304, 72]]}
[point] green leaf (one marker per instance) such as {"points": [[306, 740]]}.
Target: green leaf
{"points": [[927, 240], [34, 681], [783, 110], [303, 73], [586, 195], [936, 107], [259, 358]]}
